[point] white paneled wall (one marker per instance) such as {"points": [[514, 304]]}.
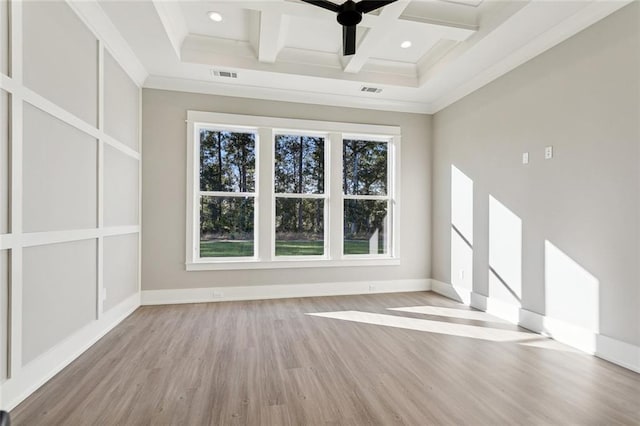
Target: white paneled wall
{"points": [[120, 274], [4, 38], [4, 161], [60, 58], [59, 174], [4, 295], [69, 187], [58, 296]]}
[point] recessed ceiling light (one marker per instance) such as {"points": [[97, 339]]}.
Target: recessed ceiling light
{"points": [[215, 16], [405, 44]]}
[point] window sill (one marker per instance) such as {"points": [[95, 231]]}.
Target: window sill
{"points": [[289, 264]]}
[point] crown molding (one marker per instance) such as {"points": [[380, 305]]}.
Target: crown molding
{"points": [[306, 97]]}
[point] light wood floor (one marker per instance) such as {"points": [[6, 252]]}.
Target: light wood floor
{"points": [[270, 363]]}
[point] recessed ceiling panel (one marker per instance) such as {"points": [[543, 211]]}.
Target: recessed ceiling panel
{"points": [[235, 24], [314, 34], [421, 40]]}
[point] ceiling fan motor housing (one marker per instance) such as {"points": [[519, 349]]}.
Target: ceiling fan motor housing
{"points": [[348, 14]]}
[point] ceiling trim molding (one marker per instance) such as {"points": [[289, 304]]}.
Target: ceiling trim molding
{"points": [[584, 18], [174, 23], [92, 14], [284, 95]]}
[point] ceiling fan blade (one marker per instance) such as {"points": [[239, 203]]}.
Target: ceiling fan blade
{"points": [[365, 6], [349, 40], [325, 4]]}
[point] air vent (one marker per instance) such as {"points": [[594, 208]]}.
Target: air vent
{"points": [[224, 74], [370, 89]]}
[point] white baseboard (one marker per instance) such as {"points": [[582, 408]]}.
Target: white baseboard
{"points": [[35, 374], [612, 350], [280, 291], [461, 295], [569, 334], [618, 352]]}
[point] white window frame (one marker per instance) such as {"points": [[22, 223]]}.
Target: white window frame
{"points": [[264, 196], [198, 194], [324, 196], [388, 197]]}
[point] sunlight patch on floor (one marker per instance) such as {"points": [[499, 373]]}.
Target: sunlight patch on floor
{"points": [[545, 343], [449, 312], [445, 328]]}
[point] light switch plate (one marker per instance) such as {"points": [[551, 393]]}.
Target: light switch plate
{"points": [[548, 152], [525, 158]]}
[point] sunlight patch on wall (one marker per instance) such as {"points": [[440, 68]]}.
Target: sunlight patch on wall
{"points": [[505, 253], [461, 229], [462, 203], [572, 293]]}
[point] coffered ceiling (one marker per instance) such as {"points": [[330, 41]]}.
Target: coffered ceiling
{"points": [[290, 50]]}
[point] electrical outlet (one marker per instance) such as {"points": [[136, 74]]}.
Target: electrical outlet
{"points": [[548, 152], [372, 287], [525, 158], [218, 294]]}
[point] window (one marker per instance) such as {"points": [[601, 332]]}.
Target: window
{"points": [[300, 199], [367, 203], [227, 193], [269, 193]]}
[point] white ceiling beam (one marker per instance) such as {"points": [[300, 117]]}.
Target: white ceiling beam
{"points": [[386, 20], [240, 56], [273, 30], [173, 21], [301, 10]]}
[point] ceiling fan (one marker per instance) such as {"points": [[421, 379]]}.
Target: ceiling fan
{"points": [[349, 16]]}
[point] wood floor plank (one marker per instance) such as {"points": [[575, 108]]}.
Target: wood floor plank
{"points": [[358, 361]]}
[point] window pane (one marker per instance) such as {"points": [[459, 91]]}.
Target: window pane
{"points": [[365, 227], [227, 161], [299, 227], [364, 167], [299, 164], [226, 227]]}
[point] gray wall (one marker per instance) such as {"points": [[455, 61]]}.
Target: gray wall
{"points": [[164, 195], [583, 98]]}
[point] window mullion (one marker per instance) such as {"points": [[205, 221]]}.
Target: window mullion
{"points": [[304, 195], [394, 175], [265, 201], [367, 197], [227, 194], [335, 219]]}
